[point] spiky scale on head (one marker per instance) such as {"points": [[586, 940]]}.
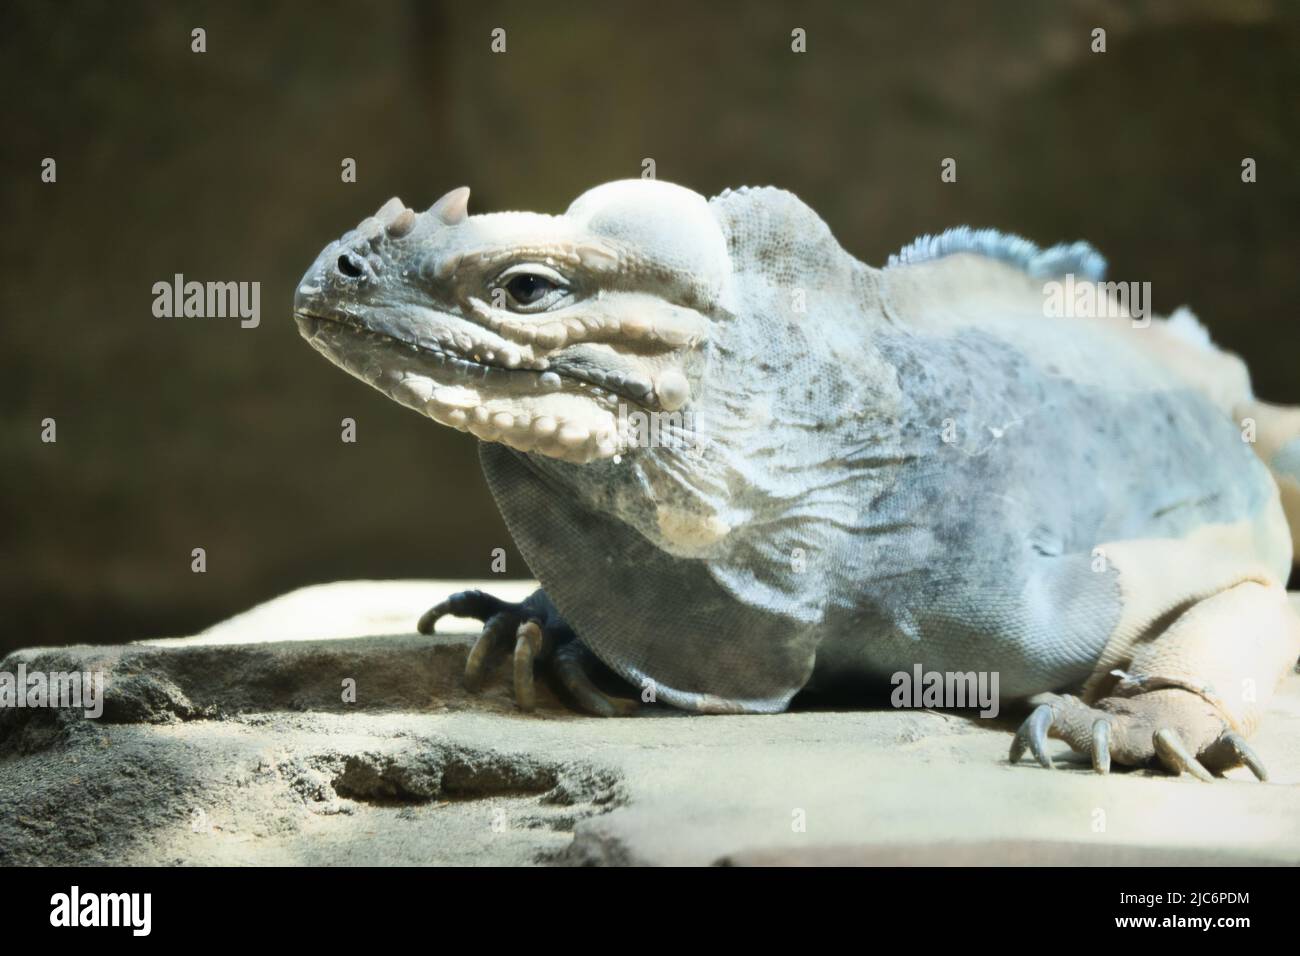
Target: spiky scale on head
{"points": [[493, 323]]}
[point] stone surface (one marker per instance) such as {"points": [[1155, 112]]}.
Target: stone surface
{"points": [[235, 747]]}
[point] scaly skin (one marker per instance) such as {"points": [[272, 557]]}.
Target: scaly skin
{"points": [[468, 330], [802, 520]]}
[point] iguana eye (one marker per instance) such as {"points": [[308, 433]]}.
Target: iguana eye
{"points": [[531, 288], [527, 289]]}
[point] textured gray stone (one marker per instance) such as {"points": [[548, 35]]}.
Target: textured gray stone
{"points": [[235, 747]]}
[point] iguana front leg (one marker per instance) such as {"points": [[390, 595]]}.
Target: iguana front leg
{"points": [[1189, 697], [533, 632]]}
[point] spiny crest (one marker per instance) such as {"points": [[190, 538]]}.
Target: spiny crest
{"points": [[1077, 258]]}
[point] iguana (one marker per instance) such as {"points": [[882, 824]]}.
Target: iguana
{"points": [[742, 463]]}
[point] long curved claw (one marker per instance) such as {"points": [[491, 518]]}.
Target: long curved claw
{"points": [[575, 679], [473, 604], [533, 630], [429, 619], [528, 644], [1033, 735], [1173, 753], [490, 644], [1244, 753], [1101, 745]]}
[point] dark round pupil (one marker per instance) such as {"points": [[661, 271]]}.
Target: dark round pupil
{"points": [[526, 289]]}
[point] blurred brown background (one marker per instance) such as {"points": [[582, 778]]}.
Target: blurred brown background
{"points": [[175, 434]]}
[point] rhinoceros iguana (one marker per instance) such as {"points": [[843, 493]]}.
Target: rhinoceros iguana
{"points": [[742, 463]]}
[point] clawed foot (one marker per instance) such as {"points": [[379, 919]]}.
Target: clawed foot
{"points": [[532, 633], [1175, 727]]}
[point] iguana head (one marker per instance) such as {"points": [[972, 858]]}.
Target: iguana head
{"points": [[530, 330]]}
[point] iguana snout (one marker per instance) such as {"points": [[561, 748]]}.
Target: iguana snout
{"points": [[540, 332]]}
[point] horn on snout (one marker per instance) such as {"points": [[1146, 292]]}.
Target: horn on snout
{"points": [[396, 218], [453, 207]]}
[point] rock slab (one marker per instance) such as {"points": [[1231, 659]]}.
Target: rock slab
{"points": [[244, 745]]}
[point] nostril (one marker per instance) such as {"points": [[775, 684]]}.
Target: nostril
{"points": [[351, 265]]}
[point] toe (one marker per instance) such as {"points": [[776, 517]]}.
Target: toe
{"points": [[528, 644], [429, 619], [1173, 753], [488, 649], [475, 604], [1231, 750], [583, 691], [1033, 735], [1101, 745]]}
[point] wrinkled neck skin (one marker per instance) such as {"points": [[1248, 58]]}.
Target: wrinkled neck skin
{"points": [[705, 373], [792, 433]]}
